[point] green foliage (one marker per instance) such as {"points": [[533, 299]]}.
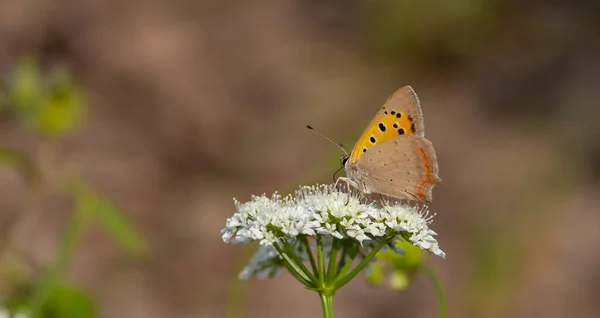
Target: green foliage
{"points": [[47, 285], [25, 88], [112, 220], [51, 105], [89, 206], [68, 302], [61, 109], [397, 268], [64, 301]]}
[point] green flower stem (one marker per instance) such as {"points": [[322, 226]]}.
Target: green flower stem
{"points": [[346, 260], [313, 264], [320, 259], [327, 304], [344, 269], [292, 254], [439, 290], [78, 223], [342, 262], [293, 268], [335, 245], [365, 261]]}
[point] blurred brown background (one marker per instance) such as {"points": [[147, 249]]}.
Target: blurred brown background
{"points": [[192, 103]]}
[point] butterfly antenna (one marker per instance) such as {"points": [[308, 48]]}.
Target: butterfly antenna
{"points": [[336, 172], [342, 147]]}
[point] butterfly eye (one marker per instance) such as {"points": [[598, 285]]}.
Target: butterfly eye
{"points": [[344, 160]]}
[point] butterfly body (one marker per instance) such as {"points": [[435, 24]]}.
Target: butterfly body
{"points": [[392, 157]]}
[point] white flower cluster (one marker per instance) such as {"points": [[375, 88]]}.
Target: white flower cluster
{"points": [[325, 210], [4, 313]]}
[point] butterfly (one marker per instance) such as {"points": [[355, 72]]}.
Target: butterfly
{"points": [[392, 157]]}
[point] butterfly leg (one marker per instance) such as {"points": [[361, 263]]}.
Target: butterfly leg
{"points": [[380, 199], [349, 183]]}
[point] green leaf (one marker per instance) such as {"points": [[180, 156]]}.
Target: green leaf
{"points": [[25, 88], [68, 302], [411, 260], [119, 228], [399, 280], [112, 220], [64, 301], [89, 207], [61, 109], [52, 105], [376, 274], [72, 235], [396, 268]]}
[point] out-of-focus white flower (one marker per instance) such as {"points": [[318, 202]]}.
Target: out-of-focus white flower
{"points": [[265, 263], [325, 210], [4, 313]]}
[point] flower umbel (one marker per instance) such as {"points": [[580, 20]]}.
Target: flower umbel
{"points": [[327, 228], [324, 210]]}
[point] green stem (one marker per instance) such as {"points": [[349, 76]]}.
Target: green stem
{"points": [[293, 268], [439, 290], [342, 263], [313, 264], [78, 223], [327, 304], [365, 261], [292, 253], [344, 269], [329, 277], [320, 259]]}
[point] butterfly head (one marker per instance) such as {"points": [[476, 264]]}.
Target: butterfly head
{"points": [[344, 159]]}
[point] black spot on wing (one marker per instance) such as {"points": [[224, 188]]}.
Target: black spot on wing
{"points": [[382, 127], [372, 140], [401, 131], [412, 128]]}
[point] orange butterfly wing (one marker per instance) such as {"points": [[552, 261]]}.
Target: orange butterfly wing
{"points": [[400, 115]]}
